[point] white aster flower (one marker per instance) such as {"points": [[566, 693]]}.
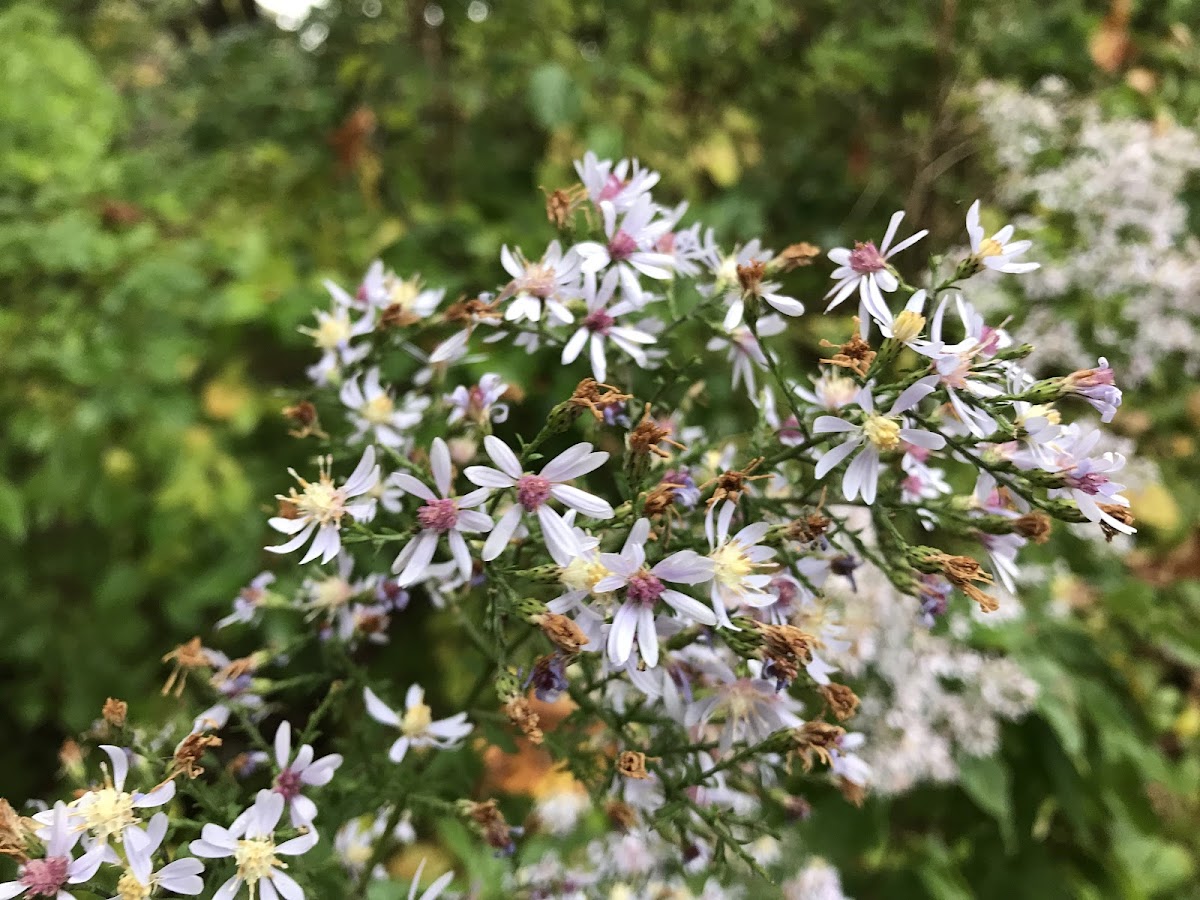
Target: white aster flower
{"points": [[417, 726], [479, 404], [333, 335], [250, 841], [599, 327], [622, 184], [739, 564], [140, 881], [866, 269], [297, 774], [541, 286], [743, 351], [752, 709], [406, 299], [766, 291], [630, 247], [643, 589], [534, 492], [321, 506], [440, 515], [999, 251], [374, 410], [49, 875], [874, 433], [1087, 478]]}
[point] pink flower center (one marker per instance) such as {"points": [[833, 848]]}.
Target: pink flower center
{"points": [[622, 245], [1089, 483], [644, 588], [45, 877], [666, 243], [989, 340], [599, 321], [438, 515], [865, 258], [532, 491], [288, 783], [538, 280], [612, 186]]}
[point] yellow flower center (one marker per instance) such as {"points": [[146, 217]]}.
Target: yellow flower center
{"points": [[883, 432], [990, 247], [332, 331], [108, 812], [730, 564], [129, 888], [582, 573], [417, 719], [379, 411], [1049, 413], [255, 857], [321, 501], [402, 293], [331, 593], [907, 325]]}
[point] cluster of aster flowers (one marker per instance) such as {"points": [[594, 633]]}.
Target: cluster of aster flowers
{"points": [[645, 592]]}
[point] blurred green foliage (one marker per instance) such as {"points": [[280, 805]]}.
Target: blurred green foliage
{"points": [[176, 178]]}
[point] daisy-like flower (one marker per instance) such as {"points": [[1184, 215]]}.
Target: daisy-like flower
{"points": [[541, 286], [830, 392], [250, 841], [875, 433], [110, 813], [333, 335], [478, 404], [140, 881], [1087, 479], [374, 410], [999, 251], [743, 351], [622, 184], [248, 600], [630, 247], [644, 588], [751, 708], [49, 875], [439, 515], [751, 286], [866, 269], [535, 491], [405, 299], [297, 774], [599, 327], [739, 564], [321, 506], [905, 328], [417, 726], [1098, 387], [954, 362]]}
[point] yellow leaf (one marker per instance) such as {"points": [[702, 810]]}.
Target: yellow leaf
{"points": [[718, 157], [1155, 506]]}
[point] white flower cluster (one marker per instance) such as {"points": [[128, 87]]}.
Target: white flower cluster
{"points": [[681, 592], [1122, 270]]}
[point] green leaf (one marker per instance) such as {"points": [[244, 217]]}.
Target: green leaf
{"points": [[12, 511], [553, 96], [987, 781]]}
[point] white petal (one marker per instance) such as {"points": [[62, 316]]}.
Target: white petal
{"points": [[503, 456], [502, 533], [582, 501], [831, 458], [380, 711], [439, 463]]}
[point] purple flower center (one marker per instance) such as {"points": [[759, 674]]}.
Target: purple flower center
{"points": [[45, 877], [644, 587], [612, 186], [438, 515], [622, 245], [866, 258], [288, 783], [1089, 483], [532, 491], [599, 321]]}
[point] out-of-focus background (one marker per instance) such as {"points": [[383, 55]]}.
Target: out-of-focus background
{"points": [[177, 176]]}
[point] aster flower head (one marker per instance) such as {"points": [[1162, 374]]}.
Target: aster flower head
{"points": [[754, 290], [441, 514], [537, 287], [744, 352], [741, 567], [298, 773], [631, 238], [1098, 387], [533, 492], [417, 726], [643, 587], [250, 842], [866, 269], [1086, 478], [874, 432], [320, 507], [141, 881], [248, 601], [750, 709], [621, 184], [600, 327], [333, 336], [49, 875], [403, 301], [999, 251], [480, 403], [375, 411]]}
